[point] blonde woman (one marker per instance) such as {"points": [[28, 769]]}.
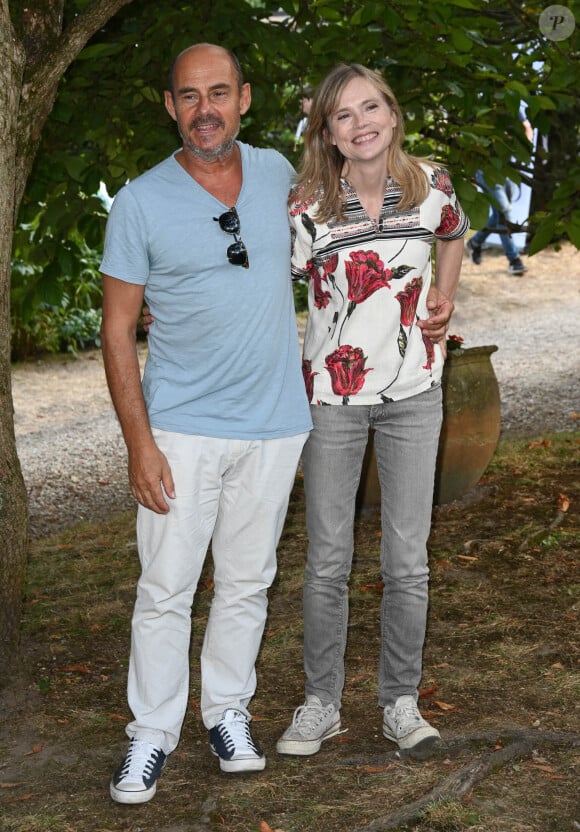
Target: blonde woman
{"points": [[365, 217]]}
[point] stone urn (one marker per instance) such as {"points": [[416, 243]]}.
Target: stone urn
{"points": [[469, 434], [471, 421]]}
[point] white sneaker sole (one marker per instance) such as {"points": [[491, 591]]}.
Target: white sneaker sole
{"points": [[239, 766], [303, 748], [132, 798], [419, 739]]}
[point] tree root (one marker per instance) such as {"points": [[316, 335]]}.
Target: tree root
{"points": [[460, 783]]}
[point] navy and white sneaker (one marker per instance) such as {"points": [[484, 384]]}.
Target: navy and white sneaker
{"points": [[135, 781], [231, 740]]}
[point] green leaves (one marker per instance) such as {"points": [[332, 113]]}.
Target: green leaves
{"points": [[460, 70]]}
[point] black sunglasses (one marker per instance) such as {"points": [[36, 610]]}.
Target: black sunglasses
{"points": [[237, 253]]}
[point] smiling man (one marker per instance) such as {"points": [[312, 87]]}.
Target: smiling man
{"points": [[215, 430]]}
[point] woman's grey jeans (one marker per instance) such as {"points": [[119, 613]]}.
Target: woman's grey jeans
{"points": [[406, 440]]}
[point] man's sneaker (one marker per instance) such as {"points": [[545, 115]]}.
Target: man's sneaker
{"points": [[312, 723], [231, 740], [473, 251], [404, 725], [517, 267], [135, 781]]}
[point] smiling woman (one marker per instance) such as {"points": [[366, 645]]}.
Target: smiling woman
{"points": [[364, 217]]}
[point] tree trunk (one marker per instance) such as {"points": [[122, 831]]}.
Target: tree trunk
{"points": [[13, 501], [34, 56]]}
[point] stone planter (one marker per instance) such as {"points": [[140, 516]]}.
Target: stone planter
{"points": [[471, 422], [469, 434]]}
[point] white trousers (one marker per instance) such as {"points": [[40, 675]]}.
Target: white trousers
{"points": [[235, 494]]}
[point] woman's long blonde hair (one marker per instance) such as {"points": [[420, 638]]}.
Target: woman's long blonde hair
{"points": [[322, 162]]}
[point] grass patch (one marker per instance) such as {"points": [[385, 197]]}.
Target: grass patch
{"points": [[501, 653]]}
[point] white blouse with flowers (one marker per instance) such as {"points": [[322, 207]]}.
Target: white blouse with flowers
{"points": [[368, 283]]}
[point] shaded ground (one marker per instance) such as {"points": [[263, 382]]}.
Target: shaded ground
{"points": [[501, 663]]}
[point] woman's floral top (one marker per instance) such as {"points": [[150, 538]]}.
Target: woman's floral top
{"points": [[367, 288]]}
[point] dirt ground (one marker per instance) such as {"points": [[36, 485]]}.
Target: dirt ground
{"points": [[501, 663]]}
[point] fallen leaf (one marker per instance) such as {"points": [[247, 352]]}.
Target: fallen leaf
{"points": [[427, 693], [549, 769], [74, 668], [23, 797], [542, 443], [11, 785], [563, 502], [265, 827], [376, 769], [444, 706], [558, 666], [571, 616], [362, 677], [102, 482], [467, 557], [378, 587]]}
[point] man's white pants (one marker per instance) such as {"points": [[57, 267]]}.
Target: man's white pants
{"points": [[234, 493]]}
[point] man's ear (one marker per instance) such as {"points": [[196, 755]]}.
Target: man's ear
{"points": [[245, 98], [170, 104]]}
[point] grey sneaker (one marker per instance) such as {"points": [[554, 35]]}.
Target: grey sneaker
{"points": [[135, 781], [231, 740], [517, 267], [312, 723], [404, 725]]}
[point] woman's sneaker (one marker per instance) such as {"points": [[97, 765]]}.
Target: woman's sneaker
{"points": [[135, 781], [404, 725], [312, 723], [231, 740]]}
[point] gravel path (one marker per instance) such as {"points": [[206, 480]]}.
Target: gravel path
{"points": [[72, 452]]}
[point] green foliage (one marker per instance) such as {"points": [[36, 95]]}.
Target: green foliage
{"points": [[56, 284], [459, 69], [300, 288]]}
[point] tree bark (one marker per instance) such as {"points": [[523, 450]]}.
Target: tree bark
{"points": [[34, 55]]}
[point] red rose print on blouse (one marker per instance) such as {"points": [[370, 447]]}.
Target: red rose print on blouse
{"points": [[365, 274], [321, 297], [346, 366], [299, 205], [449, 221], [308, 377], [441, 181], [430, 350], [408, 298], [329, 265]]}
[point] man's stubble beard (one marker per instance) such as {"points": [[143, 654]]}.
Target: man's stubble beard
{"points": [[220, 152]]}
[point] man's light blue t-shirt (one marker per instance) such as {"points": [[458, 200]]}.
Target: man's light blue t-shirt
{"points": [[224, 357]]}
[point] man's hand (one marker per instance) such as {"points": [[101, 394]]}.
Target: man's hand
{"points": [[150, 479]]}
